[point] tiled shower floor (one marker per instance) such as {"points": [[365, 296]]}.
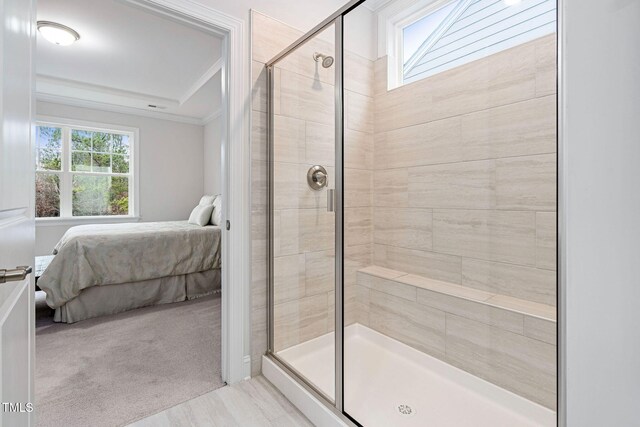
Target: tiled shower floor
{"points": [[385, 378]]}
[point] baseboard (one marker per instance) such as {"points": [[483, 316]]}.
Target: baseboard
{"points": [[307, 403], [246, 367]]}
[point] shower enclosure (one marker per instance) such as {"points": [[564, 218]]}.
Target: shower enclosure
{"points": [[412, 213]]}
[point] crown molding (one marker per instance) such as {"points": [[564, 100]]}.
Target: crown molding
{"points": [[83, 103], [98, 93], [87, 95], [77, 93], [211, 117]]}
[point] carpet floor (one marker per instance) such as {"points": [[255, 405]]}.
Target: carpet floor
{"points": [[113, 370]]}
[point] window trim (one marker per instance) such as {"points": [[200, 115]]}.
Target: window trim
{"points": [[391, 22], [66, 174], [394, 18]]}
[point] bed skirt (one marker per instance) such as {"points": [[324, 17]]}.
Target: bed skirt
{"points": [[111, 299]]}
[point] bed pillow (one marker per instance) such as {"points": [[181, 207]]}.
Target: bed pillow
{"points": [[207, 200], [200, 215], [216, 215]]}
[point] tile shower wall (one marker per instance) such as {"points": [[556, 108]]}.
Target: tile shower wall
{"points": [[304, 230], [465, 193], [304, 129], [268, 37], [509, 342], [465, 183]]}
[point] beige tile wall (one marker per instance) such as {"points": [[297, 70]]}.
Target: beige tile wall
{"points": [[451, 178], [304, 136], [510, 360], [304, 230], [464, 191], [465, 173], [268, 37], [304, 109], [358, 178], [509, 342]]}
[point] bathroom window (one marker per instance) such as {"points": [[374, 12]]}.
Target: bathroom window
{"points": [[445, 35]]}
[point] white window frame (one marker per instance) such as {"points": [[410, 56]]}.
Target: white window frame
{"points": [[66, 175], [395, 17], [392, 19]]}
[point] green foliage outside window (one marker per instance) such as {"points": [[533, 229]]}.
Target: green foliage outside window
{"points": [[94, 156], [100, 195], [49, 158]]}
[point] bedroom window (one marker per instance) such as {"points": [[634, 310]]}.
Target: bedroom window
{"points": [[436, 36], [84, 172]]}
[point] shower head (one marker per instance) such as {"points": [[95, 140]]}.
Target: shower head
{"points": [[327, 61]]}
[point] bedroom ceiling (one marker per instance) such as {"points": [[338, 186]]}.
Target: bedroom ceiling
{"points": [[127, 59]]}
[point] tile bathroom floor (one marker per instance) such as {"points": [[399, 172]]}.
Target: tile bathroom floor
{"points": [[255, 402]]}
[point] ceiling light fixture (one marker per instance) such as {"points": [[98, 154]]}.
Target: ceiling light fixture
{"points": [[57, 33]]}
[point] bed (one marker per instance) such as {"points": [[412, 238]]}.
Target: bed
{"points": [[110, 268]]}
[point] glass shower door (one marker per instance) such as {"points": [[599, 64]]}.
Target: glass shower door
{"points": [[302, 260], [424, 291], [449, 216]]}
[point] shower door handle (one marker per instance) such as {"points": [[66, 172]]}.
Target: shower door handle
{"points": [[331, 200]]}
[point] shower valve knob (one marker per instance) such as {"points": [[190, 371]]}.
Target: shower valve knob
{"points": [[317, 177]]}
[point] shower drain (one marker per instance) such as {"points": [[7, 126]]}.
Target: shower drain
{"points": [[405, 410]]}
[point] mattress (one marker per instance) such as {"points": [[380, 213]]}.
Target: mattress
{"points": [[108, 254]]}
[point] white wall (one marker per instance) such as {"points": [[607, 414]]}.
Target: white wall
{"points": [[601, 69], [212, 156], [361, 32], [171, 166], [303, 15]]}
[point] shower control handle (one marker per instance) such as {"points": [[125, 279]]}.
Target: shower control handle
{"points": [[331, 200], [317, 177]]}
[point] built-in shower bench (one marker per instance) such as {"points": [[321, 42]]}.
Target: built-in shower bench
{"points": [[505, 340], [531, 319]]}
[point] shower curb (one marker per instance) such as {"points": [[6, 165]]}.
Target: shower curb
{"points": [[312, 408]]}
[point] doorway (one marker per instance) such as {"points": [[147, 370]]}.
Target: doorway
{"points": [[157, 110]]}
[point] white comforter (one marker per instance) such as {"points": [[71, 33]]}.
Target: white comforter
{"points": [[94, 255]]}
